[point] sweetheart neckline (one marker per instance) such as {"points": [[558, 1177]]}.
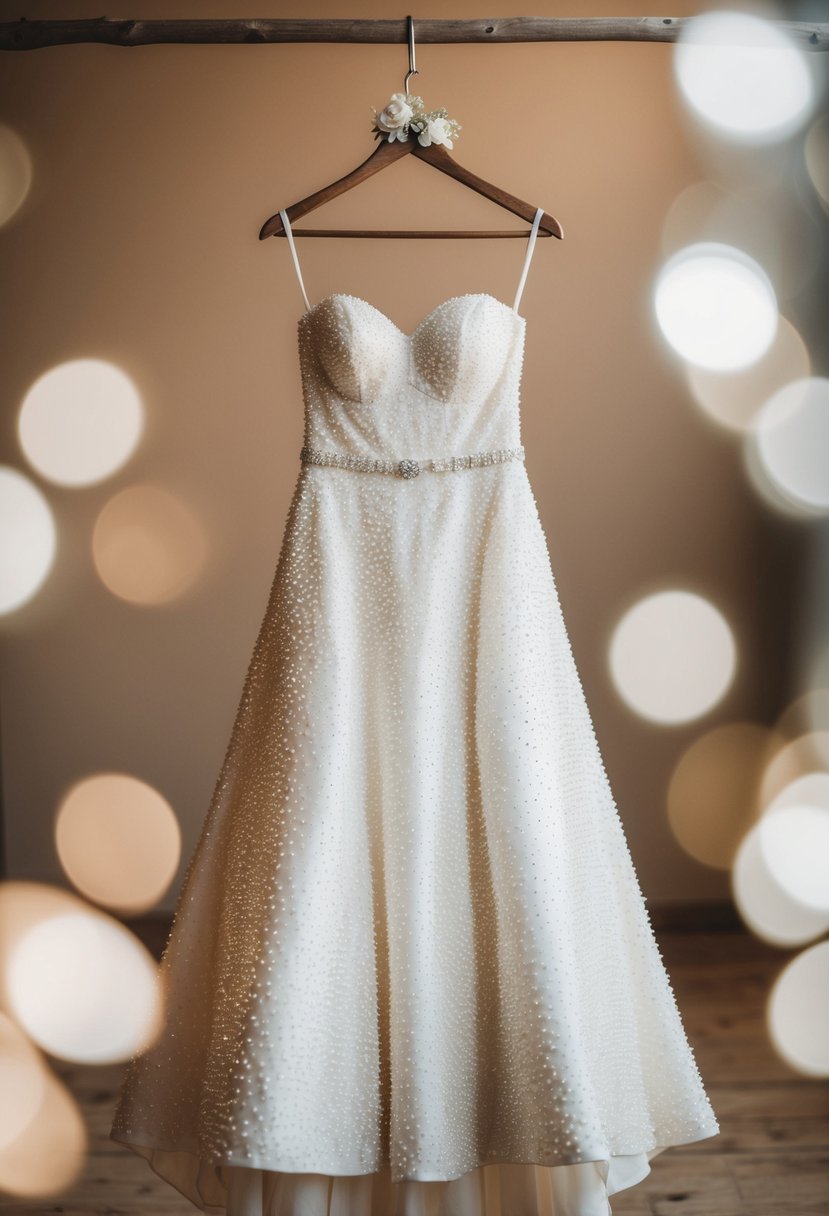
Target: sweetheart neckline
{"points": [[466, 295]]}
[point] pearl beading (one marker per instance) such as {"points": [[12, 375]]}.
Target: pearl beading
{"points": [[410, 946], [407, 467]]}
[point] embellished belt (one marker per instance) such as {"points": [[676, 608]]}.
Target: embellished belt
{"points": [[407, 467]]}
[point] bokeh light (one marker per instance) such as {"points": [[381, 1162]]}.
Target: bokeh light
{"points": [[118, 840], [49, 1152], [147, 545], [756, 217], [761, 220], [767, 908], [790, 436], [22, 1081], [672, 656], [817, 678], [80, 421], [27, 539], [798, 1011], [816, 155], [800, 756], [716, 306], [688, 217], [743, 76], [808, 714], [15, 172], [735, 398], [713, 791], [794, 842], [812, 789], [75, 979], [83, 988]]}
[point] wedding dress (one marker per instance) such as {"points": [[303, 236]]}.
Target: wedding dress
{"points": [[411, 971]]}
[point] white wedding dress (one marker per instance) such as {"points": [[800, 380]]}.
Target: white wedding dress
{"points": [[411, 971]]}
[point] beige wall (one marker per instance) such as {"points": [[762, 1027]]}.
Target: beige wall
{"points": [[153, 171]]}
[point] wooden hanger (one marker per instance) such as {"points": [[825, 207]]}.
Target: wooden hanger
{"points": [[386, 154]]}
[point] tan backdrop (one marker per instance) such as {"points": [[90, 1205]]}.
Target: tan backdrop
{"points": [[153, 171]]}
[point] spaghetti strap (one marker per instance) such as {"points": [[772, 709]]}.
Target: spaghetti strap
{"points": [[527, 257], [286, 224]]}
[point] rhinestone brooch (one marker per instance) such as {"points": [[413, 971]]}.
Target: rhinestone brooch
{"points": [[408, 468]]}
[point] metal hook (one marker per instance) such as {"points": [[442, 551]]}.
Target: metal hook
{"points": [[412, 69]]}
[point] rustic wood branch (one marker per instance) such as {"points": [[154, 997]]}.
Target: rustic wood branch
{"points": [[25, 35]]}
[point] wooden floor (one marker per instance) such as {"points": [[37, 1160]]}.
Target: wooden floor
{"points": [[770, 1159]]}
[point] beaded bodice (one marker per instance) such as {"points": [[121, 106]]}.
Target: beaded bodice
{"points": [[452, 385]]}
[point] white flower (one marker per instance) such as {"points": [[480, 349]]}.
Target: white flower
{"points": [[393, 121], [404, 112], [435, 131]]}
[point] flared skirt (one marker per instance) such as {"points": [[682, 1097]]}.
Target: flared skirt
{"points": [[411, 970]]}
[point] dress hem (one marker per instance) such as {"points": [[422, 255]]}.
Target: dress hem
{"points": [[147, 1149]]}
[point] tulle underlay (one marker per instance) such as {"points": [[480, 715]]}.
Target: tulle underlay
{"points": [[497, 1189]]}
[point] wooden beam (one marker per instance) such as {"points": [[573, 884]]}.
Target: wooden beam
{"points": [[25, 35]]}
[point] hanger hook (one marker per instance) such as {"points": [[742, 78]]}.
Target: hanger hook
{"points": [[412, 69]]}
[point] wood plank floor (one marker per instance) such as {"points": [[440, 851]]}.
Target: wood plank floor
{"points": [[771, 1158]]}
